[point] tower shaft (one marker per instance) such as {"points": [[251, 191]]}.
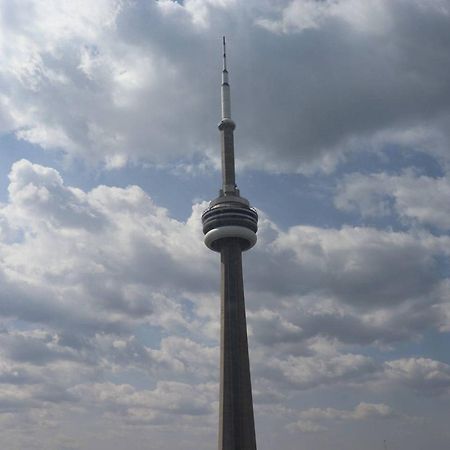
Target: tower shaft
{"points": [[236, 420]]}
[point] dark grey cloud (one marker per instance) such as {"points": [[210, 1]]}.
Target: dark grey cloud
{"points": [[18, 375], [365, 267], [310, 372], [314, 79], [291, 328], [38, 350], [424, 375], [413, 198]]}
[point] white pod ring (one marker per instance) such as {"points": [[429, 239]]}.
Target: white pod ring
{"points": [[230, 231]]}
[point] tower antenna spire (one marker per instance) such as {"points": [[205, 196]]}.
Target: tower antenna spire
{"points": [[224, 54], [226, 100]]}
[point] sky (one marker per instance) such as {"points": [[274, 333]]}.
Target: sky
{"points": [[109, 153]]}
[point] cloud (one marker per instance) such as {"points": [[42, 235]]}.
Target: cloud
{"points": [[39, 191], [426, 376], [416, 199], [57, 251], [304, 373], [359, 285], [305, 426], [109, 309], [110, 83], [270, 327], [64, 250], [36, 347], [41, 375], [364, 267], [311, 419], [362, 411], [291, 328], [155, 406]]}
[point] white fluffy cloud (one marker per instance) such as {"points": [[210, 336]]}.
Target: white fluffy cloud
{"points": [[98, 253], [109, 309], [59, 239]]}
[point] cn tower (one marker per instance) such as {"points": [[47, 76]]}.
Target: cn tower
{"points": [[230, 226]]}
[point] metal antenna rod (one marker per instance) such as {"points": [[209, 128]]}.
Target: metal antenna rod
{"points": [[226, 101], [224, 54], [226, 128]]}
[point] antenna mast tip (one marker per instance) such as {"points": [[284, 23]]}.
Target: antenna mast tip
{"points": [[224, 54]]}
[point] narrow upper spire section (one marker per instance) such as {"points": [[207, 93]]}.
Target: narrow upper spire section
{"points": [[224, 54], [226, 127], [226, 101]]}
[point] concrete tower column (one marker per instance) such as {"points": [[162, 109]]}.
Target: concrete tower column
{"points": [[236, 421]]}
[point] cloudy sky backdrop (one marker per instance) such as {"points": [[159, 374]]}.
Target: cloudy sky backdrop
{"points": [[109, 300]]}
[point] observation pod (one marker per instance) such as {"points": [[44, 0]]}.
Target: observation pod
{"points": [[228, 219]]}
